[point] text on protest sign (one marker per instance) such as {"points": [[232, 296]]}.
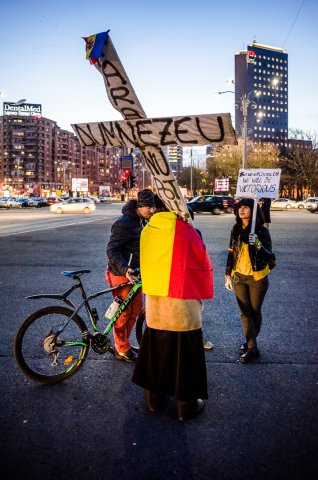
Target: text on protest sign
{"points": [[258, 182], [151, 132]]}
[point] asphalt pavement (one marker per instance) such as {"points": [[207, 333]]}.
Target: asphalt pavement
{"points": [[260, 420]]}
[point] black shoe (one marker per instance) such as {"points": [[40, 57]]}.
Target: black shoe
{"points": [[251, 354], [198, 409], [244, 348], [154, 401], [134, 349], [128, 356]]}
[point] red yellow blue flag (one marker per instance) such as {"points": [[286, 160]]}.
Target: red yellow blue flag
{"points": [[94, 45], [173, 259]]}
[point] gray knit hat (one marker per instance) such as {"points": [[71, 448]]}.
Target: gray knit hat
{"points": [[145, 198]]}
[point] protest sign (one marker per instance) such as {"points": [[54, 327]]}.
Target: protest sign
{"points": [[148, 134], [258, 182]]}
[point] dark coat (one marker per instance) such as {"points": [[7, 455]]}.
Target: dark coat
{"points": [[259, 258], [124, 240]]}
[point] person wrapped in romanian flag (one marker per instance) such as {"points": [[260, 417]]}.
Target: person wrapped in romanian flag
{"points": [[176, 275]]}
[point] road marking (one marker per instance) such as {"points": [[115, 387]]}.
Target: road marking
{"points": [[55, 226]]}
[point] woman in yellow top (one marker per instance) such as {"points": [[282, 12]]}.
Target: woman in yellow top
{"points": [[247, 272]]}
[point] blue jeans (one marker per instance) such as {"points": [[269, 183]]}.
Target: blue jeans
{"points": [[250, 295]]}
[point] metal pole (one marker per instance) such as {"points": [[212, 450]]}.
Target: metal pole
{"points": [[191, 179], [244, 110]]}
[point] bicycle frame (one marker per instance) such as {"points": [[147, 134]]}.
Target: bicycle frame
{"points": [[86, 299]]}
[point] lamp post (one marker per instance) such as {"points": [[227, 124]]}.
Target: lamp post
{"points": [[244, 103], [191, 173]]}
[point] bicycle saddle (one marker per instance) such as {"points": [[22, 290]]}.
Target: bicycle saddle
{"points": [[76, 273]]}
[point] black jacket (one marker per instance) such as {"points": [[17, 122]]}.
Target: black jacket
{"points": [[124, 240], [259, 258]]}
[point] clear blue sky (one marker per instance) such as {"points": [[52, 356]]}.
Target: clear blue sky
{"points": [[177, 53]]}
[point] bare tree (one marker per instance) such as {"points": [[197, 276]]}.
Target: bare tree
{"points": [[226, 161], [299, 161]]}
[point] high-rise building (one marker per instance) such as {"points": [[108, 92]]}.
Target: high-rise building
{"points": [[174, 154], [261, 74]]}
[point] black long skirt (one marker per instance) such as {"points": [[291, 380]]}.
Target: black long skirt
{"points": [[172, 363]]}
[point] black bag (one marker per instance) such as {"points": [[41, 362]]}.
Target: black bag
{"points": [[272, 262]]}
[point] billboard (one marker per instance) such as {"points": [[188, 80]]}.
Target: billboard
{"points": [[79, 184], [221, 185], [104, 190], [24, 110]]}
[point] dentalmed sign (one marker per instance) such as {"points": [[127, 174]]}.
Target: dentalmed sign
{"points": [[258, 182], [24, 110]]}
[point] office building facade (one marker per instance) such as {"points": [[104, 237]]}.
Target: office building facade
{"points": [[261, 73], [35, 151]]}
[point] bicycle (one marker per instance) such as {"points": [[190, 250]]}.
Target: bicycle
{"points": [[53, 342]]}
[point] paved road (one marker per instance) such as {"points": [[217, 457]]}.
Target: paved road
{"points": [[260, 420]]}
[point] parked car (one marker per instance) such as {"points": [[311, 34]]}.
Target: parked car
{"points": [[282, 203], [74, 205], [10, 202], [95, 199], [207, 203], [26, 202], [303, 203], [51, 200], [3, 201], [312, 207], [39, 202]]}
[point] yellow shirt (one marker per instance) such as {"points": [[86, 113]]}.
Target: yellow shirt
{"points": [[244, 265]]}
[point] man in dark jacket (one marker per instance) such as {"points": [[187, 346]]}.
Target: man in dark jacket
{"points": [[123, 251]]}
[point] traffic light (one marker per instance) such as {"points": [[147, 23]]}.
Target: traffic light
{"points": [[132, 181], [124, 184]]}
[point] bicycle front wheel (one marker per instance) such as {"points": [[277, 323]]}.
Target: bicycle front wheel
{"points": [[140, 326], [45, 356]]}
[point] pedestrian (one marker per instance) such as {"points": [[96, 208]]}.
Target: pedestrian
{"points": [[207, 345], [247, 272], [123, 251], [176, 274], [265, 204]]}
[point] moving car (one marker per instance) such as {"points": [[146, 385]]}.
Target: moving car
{"points": [[207, 203], [303, 203], [312, 207], [282, 203], [229, 203], [74, 205]]}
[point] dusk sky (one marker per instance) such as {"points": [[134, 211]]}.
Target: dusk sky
{"points": [[177, 53]]}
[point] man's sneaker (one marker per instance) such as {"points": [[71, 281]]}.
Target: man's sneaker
{"points": [[207, 345], [128, 356], [251, 354]]}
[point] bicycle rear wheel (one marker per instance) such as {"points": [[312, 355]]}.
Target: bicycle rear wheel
{"points": [[140, 326], [42, 355]]}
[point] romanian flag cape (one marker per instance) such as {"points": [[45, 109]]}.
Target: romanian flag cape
{"points": [[173, 259]]}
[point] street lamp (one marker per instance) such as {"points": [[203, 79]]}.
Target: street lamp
{"points": [[244, 103]]}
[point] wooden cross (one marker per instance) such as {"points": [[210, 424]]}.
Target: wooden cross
{"points": [[149, 134]]}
